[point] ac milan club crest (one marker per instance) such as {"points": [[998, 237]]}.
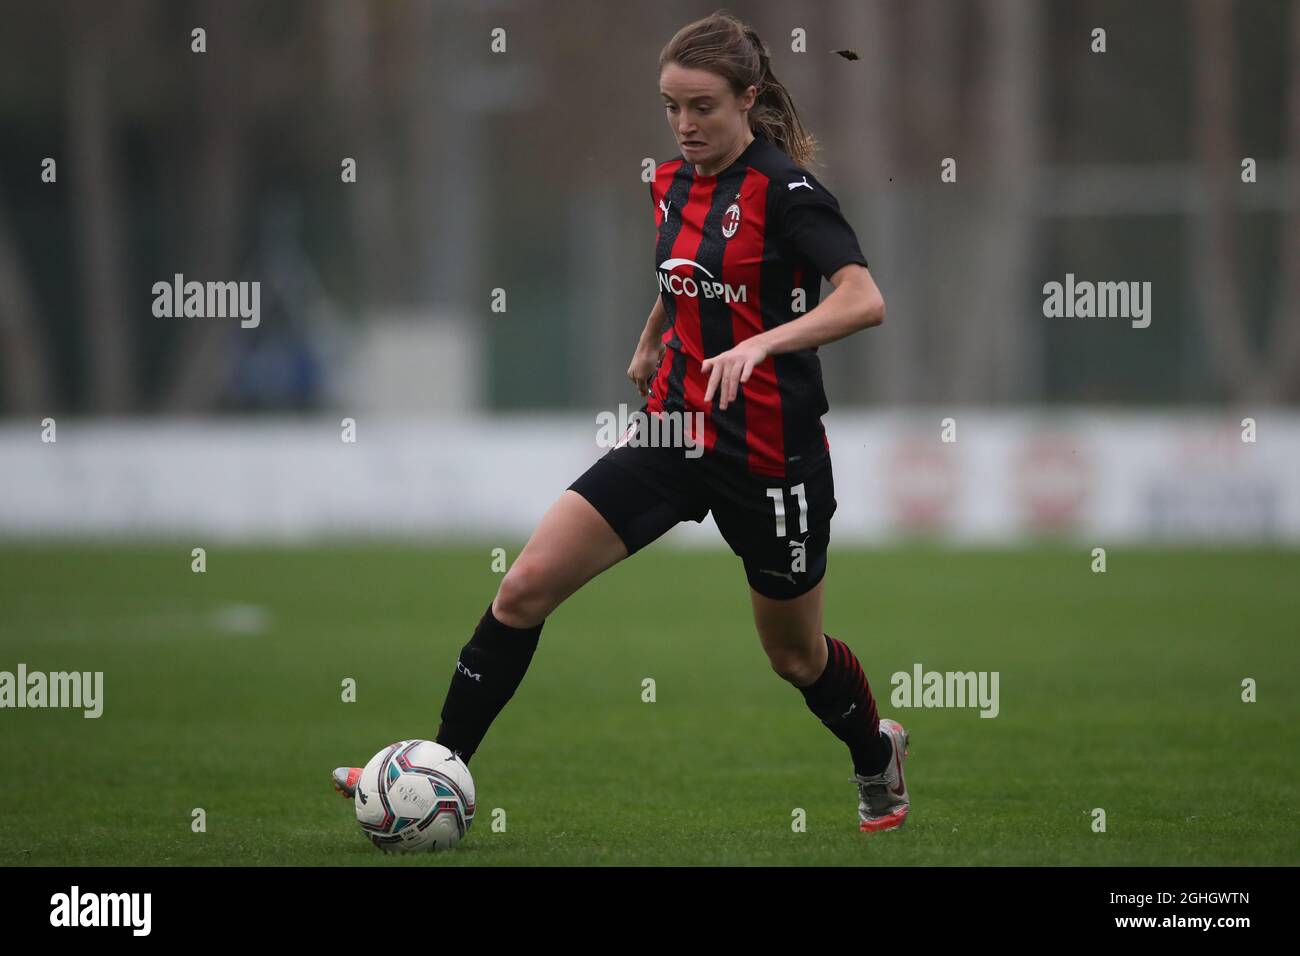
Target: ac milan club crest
{"points": [[731, 220]]}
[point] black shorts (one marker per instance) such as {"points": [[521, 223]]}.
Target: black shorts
{"points": [[779, 528]]}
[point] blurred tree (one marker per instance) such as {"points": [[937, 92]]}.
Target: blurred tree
{"points": [[213, 192], [873, 135], [998, 332], [1226, 320], [97, 205], [350, 38], [24, 359]]}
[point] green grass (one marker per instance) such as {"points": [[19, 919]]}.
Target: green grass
{"points": [[1118, 690]]}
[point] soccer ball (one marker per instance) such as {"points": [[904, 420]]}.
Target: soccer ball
{"points": [[414, 796]]}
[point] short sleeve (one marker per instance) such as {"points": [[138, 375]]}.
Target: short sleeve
{"points": [[814, 226]]}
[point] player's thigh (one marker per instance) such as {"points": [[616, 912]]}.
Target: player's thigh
{"points": [[641, 492], [781, 532], [573, 540], [570, 546], [790, 632], [602, 517]]}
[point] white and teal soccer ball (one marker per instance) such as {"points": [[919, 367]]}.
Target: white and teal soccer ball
{"points": [[415, 796]]}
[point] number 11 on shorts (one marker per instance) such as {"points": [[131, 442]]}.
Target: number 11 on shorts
{"points": [[778, 501]]}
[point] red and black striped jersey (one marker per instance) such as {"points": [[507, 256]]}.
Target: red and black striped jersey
{"points": [[733, 252]]}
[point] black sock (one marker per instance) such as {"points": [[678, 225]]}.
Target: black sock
{"points": [[841, 698], [487, 674]]}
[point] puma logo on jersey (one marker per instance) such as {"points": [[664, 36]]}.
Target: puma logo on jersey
{"points": [[803, 182], [852, 707], [780, 574], [663, 207]]}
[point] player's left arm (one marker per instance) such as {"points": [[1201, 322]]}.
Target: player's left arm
{"points": [[854, 304]]}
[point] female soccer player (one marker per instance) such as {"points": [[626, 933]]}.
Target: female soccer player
{"points": [[745, 234]]}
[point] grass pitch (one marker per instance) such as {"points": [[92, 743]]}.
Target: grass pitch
{"points": [[222, 691]]}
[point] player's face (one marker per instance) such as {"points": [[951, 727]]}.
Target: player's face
{"points": [[707, 119]]}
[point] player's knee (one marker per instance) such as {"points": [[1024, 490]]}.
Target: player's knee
{"points": [[524, 598], [794, 666]]}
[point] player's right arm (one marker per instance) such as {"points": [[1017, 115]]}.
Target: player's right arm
{"points": [[649, 349]]}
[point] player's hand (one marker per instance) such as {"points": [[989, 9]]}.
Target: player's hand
{"points": [[730, 369], [644, 362]]}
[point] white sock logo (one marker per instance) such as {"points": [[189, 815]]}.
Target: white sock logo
{"points": [[468, 673]]}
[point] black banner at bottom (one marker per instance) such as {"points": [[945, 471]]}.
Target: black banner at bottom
{"points": [[336, 906]]}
